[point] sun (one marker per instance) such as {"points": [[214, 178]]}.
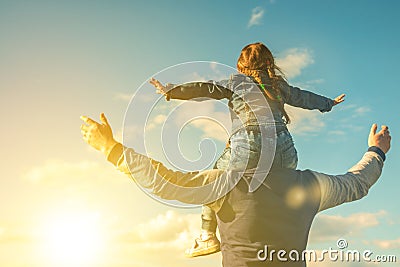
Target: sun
{"points": [[73, 240]]}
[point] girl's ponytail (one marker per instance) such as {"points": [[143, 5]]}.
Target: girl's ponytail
{"points": [[253, 62]]}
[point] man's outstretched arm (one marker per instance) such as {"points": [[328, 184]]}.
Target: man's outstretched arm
{"points": [[192, 187], [355, 184]]}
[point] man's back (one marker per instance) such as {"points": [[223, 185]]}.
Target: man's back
{"points": [[277, 216]]}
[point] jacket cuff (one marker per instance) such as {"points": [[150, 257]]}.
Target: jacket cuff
{"points": [[170, 87], [115, 153], [378, 151], [331, 103]]}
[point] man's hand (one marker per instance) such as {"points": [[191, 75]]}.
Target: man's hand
{"points": [[98, 135], [338, 99], [380, 139]]}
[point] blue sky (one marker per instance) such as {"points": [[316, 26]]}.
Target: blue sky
{"points": [[62, 59]]}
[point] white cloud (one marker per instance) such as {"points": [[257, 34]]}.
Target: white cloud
{"points": [[167, 235], [312, 85], [201, 115], [126, 97], [195, 76], [337, 132], [330, 263], [333, 227], [77, 175], [3, 235], [316, 81], [217, 72], [211, 129], [304, 121], [17, 232], [361, 111], [123, 97], [154, 122], [294, 60], [159, 119], [168, 228], [204, 116], [352, 119], [388, 244], [256, 16], [213, 66], [132, 135]]}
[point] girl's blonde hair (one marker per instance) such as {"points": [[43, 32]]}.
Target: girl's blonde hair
{"points": [[257, 61]]}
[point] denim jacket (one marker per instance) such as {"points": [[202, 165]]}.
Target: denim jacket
{"points": [[248, 103]]}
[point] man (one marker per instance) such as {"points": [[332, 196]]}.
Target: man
{"points": [[268, 227]]}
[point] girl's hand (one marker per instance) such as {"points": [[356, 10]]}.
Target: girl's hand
{"points": [[338, 99], [161, 89]]}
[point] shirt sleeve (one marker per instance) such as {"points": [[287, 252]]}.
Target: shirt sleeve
{"points": [[190, 187], [200, 91], [355, 184], [297, 97]]}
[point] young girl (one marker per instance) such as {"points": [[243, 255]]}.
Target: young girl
{"points": [[249, 115]]}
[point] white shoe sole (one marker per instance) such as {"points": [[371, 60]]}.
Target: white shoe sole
{"points": [[203, 252]]}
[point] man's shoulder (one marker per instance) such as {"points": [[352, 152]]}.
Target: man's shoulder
{"points": [[292, 176]]}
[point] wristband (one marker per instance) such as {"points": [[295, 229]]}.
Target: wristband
{"points": [[378, 151], [115, 153]]}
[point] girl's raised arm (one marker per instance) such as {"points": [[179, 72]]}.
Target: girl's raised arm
{"points": [[198, 91], [305, 99]]}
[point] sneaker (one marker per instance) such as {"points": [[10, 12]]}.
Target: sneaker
{"points": [[204, 247]]}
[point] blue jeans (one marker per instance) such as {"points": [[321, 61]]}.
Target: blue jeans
{"points": [[243, 153]]}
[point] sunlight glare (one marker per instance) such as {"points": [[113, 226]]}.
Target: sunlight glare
{"points": [[73, 240]]}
